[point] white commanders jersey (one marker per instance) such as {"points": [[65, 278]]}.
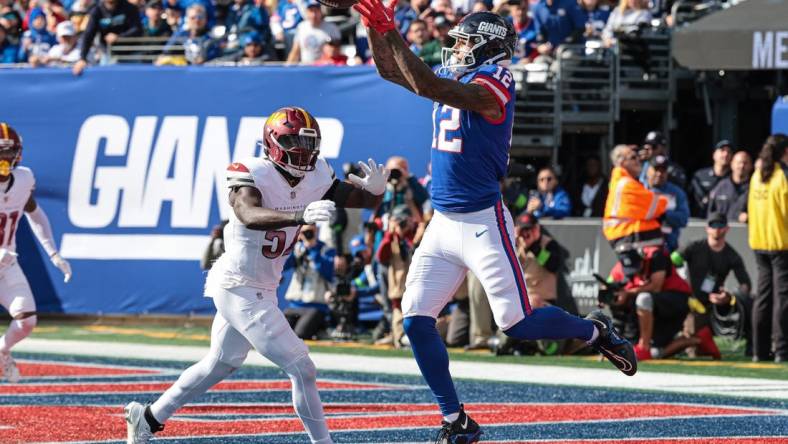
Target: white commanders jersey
{"points": [[14, 194], [255, 258]]}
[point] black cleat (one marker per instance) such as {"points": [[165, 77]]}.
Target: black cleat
{"points": [[462, 431], [615, 348]]}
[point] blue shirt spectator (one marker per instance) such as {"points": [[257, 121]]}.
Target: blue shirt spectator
{"points": [[557, 20], [550, 199], [525, 27], [404, 15], [677, 215], [9, 53], [197, 43], [36, 41], [289, 16], [596, 16], [210, 9]]}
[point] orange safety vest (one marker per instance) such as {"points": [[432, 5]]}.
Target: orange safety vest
{"points": [[631, 210]]}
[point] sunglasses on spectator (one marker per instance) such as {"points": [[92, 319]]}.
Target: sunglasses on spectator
{"points": [[631, 157]]}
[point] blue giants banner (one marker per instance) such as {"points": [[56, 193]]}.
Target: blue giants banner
{"points": [[130, 161]]}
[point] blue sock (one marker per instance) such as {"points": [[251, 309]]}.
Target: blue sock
{"points": [[433, 360], [551, 323]]}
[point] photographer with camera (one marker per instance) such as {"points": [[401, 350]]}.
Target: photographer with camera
{"points": [[313, 262], [709, 262], [395, 252], [650, 298], [342, 299], [402, 189]]}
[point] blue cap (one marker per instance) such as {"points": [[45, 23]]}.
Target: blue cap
{"points": [[311, 3], [356, 244], [251, 37]]}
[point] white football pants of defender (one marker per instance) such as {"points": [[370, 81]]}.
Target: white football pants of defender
{"points": [[482, 242], [249, 318], [16, 298]]}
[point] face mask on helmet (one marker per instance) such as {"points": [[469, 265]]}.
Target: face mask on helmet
{"points": [[296, 153], [9, 156], [481, 38]]}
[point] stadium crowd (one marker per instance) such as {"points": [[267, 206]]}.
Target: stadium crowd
{"points": [[252, 32], [346, 272]]}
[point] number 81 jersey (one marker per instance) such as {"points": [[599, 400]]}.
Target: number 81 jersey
{"points": [[470, 152], [255, 258], [12, 204]]}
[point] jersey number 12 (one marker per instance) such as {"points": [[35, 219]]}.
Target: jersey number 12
{"points": [[446, 134]]}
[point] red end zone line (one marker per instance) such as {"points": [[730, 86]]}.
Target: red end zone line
{"points": [[34, 423], [141, 387], [34, 369]]}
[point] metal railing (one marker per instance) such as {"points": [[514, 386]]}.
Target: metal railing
{"points": [[141, 49]]}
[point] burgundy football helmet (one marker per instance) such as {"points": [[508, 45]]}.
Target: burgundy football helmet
{"points": [[291, 139], [10, 148]]}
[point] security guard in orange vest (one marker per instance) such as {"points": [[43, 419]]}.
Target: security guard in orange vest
{"points": [[631, 210]]}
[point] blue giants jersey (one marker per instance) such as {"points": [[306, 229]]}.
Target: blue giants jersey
{"points": [[469, 152]]}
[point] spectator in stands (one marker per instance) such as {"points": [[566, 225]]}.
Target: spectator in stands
{"points": [[625, 18], [657, 297], [110, 19], [66, 52], [311, 34], [418, 36], [543, 261], [198, 45], [431, 51], [655, 144], [174, 17], [248, 16], [709, 262], [525, 27], [252, 51], [705, 179], [403, 189], [332, 54], [444, 8], [729, 196], [36, 41], [311, 283], [550, 200], [589, 199], [208, 8], [395, 252], [514, 188], [596, 16], [9, 52], [404, 15], [767, 207], [287, 19], [154, 24], [556, 21], [632, 212], [11, 21], [676, 218]]}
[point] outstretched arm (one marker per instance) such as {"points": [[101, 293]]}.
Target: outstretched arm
{"points": [[384, 59], [420, 78], [358, 192], [247, 203], [39, 224]]}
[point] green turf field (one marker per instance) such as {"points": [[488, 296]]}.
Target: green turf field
{"points": [[197, 333]]}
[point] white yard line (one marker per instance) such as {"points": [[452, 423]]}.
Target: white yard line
{"points": [[504, 372]]}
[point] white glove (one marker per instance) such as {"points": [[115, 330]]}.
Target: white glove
{"points": [[322, 210], [63, 265], [375, 177]]}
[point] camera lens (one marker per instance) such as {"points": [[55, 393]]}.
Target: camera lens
{"points": [[395, 174]]}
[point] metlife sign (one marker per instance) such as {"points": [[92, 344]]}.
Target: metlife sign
{"points": [[130, 161]]}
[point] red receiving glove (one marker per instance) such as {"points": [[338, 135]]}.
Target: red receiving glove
{"points": [[375, 15]]}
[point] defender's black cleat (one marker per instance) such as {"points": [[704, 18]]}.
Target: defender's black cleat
{"points": [[615, 348], [462, 431]]}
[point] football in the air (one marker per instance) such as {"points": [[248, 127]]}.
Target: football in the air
{"points": [[338, 4]]}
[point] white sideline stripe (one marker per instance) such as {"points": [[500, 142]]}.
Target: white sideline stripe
{"points": [[178, 247], [504, 372]]}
